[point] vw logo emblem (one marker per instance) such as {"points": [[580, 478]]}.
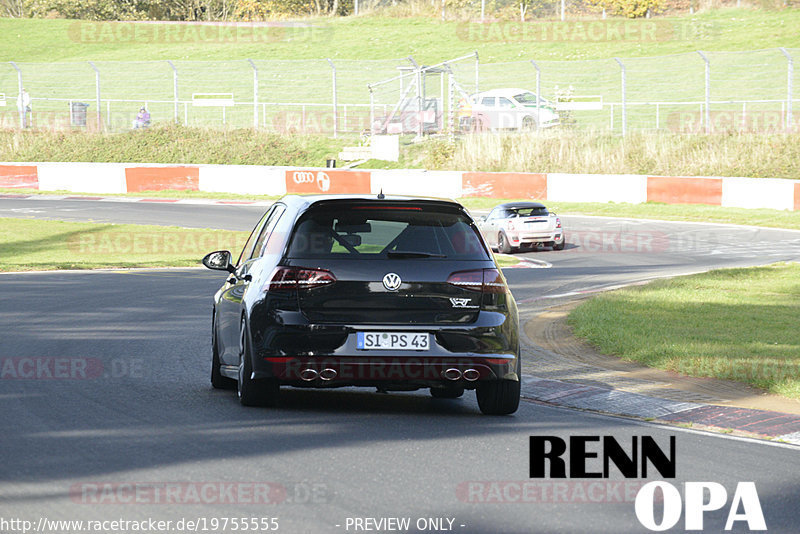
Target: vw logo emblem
{"points": [[392, 281]]}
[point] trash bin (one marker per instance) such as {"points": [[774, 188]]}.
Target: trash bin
{"points": [[77, 113]]}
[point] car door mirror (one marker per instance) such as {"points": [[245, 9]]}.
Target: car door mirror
{"points": [[219, 260]]}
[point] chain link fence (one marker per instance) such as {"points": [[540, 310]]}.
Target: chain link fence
{"points": [[688, 93]]}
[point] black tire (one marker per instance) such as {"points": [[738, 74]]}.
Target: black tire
{"points": [[253, 392], [529, 124], [478, 125], [449, 392], [498, 397], [217, 380], [560, 246], [502, 244]]}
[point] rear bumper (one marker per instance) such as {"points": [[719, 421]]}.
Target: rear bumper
{"points": [[407, 372], [304, 354], [519, 238]]}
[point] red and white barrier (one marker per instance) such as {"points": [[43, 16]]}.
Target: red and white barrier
{"points": [[101, 178]]}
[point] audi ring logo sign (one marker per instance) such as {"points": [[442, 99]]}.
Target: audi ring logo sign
{"points": [[321, 178], [392, 282]]}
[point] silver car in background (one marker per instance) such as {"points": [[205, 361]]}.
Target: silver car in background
{"points": [[507, 109], [521, 225]]}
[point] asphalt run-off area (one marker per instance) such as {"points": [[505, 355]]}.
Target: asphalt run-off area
{"points": [[119, 420]]}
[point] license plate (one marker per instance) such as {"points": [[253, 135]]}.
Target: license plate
{"points": [[392, 341]]}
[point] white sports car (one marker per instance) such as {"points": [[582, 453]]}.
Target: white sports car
{"points": [[518, 225]]}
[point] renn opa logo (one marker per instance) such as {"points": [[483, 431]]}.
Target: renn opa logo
{"points": [[590, 457]]}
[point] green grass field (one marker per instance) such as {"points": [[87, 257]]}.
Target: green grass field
{"points": [[293, 68], [30, 245], [736, 324], [369, 37]]}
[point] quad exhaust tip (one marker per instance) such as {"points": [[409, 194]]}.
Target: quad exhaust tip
{"points": [[327, 374], [308, 374], [452, 373], [471, 375]]}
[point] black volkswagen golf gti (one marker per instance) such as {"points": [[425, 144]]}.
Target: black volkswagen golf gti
{"points": [[397, 293]]}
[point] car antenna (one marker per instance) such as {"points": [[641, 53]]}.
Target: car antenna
{"points": [[381, 196]]}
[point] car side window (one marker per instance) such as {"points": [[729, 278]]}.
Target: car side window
{"points": [[253, 236], [504, 103], [272, 220], [487, 101]]}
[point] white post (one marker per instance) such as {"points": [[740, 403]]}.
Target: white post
{"points": [[335, 99], [175, 94], [97, 96], [624, 100], [708, 92], [371, 111], [744, 115], [255, 93], [22, 112], [477, 71], [538, 90], [789, 88]]}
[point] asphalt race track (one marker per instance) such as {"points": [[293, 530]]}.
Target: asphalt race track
{"points": [[119, 421]]}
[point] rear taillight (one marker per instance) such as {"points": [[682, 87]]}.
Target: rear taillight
{"points": [[293, 278], [483, 280], [558, 222], [493, 281]]}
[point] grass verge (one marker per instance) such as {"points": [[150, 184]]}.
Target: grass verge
{"points": [[29, 245], [735, 324], [506, 260], [170, 144], [757, 155]]}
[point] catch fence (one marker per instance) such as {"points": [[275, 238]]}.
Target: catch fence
{"points": [[689, 92]]}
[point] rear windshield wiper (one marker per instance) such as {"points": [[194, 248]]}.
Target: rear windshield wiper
{"points": [[412, 254]]}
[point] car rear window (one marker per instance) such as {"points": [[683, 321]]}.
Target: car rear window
{"points": [[389, 231], [528, 212]]}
